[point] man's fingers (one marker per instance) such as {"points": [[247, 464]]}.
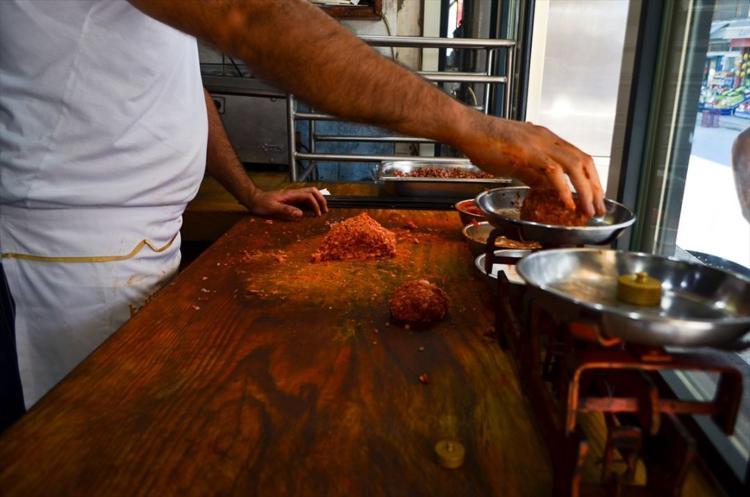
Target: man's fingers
{"points": [[321, 199], [311, 199], [302, 196], [285, 203], [287, 211], [596, 185], [578, 166], [583, 188], [581, 170], [556, 177]]}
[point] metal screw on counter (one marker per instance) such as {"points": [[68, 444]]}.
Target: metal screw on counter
{"points": [[450, 454]]}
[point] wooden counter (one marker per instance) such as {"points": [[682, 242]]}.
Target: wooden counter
{"points": [[259, 373]]}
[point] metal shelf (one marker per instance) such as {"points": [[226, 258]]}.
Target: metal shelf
{"points": [[487, 78]]}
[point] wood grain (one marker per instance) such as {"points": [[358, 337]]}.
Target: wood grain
{"points": [[249, 376]]}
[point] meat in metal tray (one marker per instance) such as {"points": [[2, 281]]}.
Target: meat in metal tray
{"points": [[394, 176]]}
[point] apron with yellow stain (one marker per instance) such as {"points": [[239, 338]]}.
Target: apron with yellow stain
{"points": [[102, 143], [66, 306]]}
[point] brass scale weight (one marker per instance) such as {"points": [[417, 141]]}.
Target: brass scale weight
{"points": [[639, 289]]}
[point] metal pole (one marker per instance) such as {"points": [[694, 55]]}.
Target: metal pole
{"points": [[292, 139], [465, 78], [306, 172], [432, 42], [507, 90], [311, 165], [488, 86], [371, 139], [461, 77], [302, 116], [377, 158]]}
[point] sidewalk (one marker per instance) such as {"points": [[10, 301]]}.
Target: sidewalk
{"points": [[733, 122]]}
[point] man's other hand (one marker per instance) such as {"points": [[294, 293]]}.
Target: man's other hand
{"points": [[287, 204]]}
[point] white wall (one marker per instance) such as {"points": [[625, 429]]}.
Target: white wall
{"points": [[431, 27], [409, 24], [377, 27], [575, 71]]}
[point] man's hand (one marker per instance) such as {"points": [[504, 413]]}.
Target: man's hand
{"points": [[222, 163], [287, 204], [536, 156]]}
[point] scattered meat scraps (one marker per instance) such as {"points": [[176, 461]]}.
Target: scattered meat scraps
{"points": [[278, 256], [442, 172], [356, 238], [546, 207], [419, 302]]}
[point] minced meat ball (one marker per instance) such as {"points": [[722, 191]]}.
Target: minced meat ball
{"points": [[419, 302], [546, 207]]}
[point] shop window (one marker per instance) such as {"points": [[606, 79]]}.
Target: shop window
{"points": [[692, 190]]}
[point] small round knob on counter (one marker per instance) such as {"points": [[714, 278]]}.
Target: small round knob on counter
{"points": [[450, 453], [639, 289]]}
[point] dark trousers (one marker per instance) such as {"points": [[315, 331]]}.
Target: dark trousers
{"points": [[11, 395]]}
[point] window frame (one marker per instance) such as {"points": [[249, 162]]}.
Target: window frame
{"points": [[654, 120]]}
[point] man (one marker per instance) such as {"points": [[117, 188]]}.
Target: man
{"points": [[741, 168], [105, 132]]}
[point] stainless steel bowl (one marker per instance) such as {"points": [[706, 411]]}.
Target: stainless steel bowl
{"points": [[700, 305], [511, 257], [478, 233], [466, 216], [502, 208]]}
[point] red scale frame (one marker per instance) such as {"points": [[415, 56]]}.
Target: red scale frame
{"points": [[567, 365]]}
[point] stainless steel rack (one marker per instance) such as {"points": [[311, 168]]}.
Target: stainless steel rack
{"points": [[489, 78]]}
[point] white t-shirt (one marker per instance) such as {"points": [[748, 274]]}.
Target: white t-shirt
{"points": [[103, 127]]}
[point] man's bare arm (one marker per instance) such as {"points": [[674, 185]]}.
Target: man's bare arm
{"points": [[223, 164], [296, 45]]}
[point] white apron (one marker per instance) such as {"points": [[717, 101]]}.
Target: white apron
{"points": [[102, 143]]}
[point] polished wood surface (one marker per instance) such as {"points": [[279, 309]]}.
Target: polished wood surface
{"points": [[257, 372]]}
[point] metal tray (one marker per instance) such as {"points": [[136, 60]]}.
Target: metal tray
{"points": [[700, 305], [434, 187], [502, 206]]}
